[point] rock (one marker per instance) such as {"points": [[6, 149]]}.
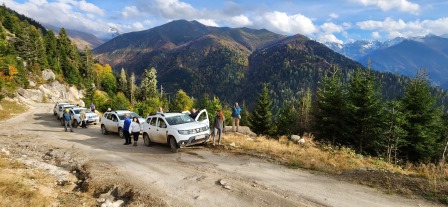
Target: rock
{"points": [[118, 203], [4, 152], [232, 144], [222, 182], [301, 140], [227, 187], [32, 84], [295, 138], [48, 74], [250, 139]]}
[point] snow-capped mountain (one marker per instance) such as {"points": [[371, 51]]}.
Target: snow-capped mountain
{"points": [[360, 48]]}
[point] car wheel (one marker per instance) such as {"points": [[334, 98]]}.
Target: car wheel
{"points": [[94, 123], [146, 140], [120, 133], [104, 130], [75, 124], [173, 145]]}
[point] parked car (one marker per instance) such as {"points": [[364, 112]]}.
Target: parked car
{"points": [[91, 117], [62, 108], [113, 121], [176, 129], [56, 107]]}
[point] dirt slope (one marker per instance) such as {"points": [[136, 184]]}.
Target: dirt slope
{"points": [[194, 177]]}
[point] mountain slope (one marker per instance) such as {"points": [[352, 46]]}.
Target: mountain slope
{"points": [[405, 58], [81, 39], [229, 63]]}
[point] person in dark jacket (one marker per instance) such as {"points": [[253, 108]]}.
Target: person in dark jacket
{"points": [[126, 129], [194, 113], [67, 120], [218, 126]]}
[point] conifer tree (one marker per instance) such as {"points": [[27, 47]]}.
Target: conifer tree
{"points": [[132, 89], [395, 133], [423, 118], [287, 120], [181, 102], [148, 86], [304, 113], [51, 47], [123, 81], [261, 118], [331, 111], [365, 111]]}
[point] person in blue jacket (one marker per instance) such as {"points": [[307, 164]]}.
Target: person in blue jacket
{"points": [[236, 116], [126, 127], [67, 120]]}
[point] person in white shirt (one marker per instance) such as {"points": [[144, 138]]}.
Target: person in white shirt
{"points": [[135, 129]]}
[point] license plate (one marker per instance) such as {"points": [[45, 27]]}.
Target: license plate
{"points": [[200, 137]]}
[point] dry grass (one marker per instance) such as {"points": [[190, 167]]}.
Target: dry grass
{"points": [[21, 187], [310, 155], [427, 180], [10, 108]]}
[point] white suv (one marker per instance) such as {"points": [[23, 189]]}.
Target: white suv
{"points": [[113, 121], [176, 129], [56, 107], [90, 116], [62, 108]]}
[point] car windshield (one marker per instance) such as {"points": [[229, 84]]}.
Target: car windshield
{"points": [[131, 115], [181, 119], [77, 111]]}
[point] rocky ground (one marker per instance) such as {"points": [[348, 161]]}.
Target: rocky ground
{"points": [[103, 172]]}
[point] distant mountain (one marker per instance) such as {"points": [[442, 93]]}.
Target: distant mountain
{"points": [[230, 63], [405, 58], [81, 39], [360, 48]]}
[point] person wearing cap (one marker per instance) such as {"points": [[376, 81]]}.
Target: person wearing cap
{"points": [[67, 119]]}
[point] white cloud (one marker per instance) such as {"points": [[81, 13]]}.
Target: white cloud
{"points": [[334, 15], [286, 24], [376, 35], [240, 21], [138, 26], [400, 28], [175, 9], [208, 22], [89, 7], [386, 5], [330, 27], [130, 11], [328, 38]]}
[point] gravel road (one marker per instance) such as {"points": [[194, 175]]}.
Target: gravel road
{"points": [[196, 176]]}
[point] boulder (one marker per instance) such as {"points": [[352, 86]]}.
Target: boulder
{"points": [[48, 74], [31, 94]]}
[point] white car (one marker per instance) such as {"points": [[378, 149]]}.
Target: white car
{"points": [[62, 108], [56, 107], [176, 129], [113, 121], [91, 117]]}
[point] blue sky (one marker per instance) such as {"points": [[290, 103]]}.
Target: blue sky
{"points": [[323, 20]]}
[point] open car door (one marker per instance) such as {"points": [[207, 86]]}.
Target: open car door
{"points": [[203, 117]]}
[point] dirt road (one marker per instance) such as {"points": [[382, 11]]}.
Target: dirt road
{"points": [[193, 177]]}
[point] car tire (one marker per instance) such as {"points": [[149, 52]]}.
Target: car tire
{"points": [[120, 133], [94, 123], [173, 145], [75, 124], [146, 140], [104, 130]]}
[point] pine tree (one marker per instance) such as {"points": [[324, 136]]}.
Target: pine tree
{"points": [[365, 111], [181, 102], [86, 70], [395, 133], [132, 89], [148, 86], [331, 111], [423, 118], [123, 81], [69, 57], [51, 47], [304, 113], [261, 118], [287, 119]]}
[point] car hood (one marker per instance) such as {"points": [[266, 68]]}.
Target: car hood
{"points": [[187, 126], [91, 114]]}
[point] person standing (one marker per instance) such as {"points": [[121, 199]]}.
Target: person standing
{"points": [[126, 129], [67, 120], [160, 110], [135, 129], [218, 126], [82, 116], [236, 116], [92, 107]]}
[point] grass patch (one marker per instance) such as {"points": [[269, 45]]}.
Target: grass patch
{"points": [[10, 108], [427, 180], [18, 185]]}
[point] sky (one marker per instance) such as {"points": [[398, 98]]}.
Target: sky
{"points": [[340, 21]]}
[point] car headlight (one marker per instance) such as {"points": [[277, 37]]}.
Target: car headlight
{"points": [[184, 132]]}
